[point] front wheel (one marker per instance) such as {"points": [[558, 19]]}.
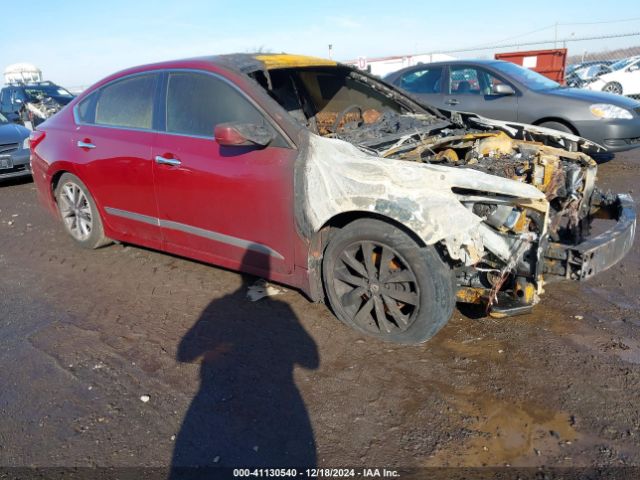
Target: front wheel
{"points": [[78, 212], [613, 87], [381, 282]]}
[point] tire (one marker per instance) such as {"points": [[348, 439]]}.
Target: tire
{"points": [[613, 87], [78, 213], [569, 145], [407, 302]]}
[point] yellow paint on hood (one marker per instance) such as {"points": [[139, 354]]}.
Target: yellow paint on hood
{"points": [[284, 60]]}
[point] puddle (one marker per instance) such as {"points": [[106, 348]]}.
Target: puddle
{"points": [[506, 433]]}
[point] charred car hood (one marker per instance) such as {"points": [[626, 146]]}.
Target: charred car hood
{"points": [[525, 131], [340, 177]]}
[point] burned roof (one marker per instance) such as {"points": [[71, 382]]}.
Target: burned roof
{"points": [[253, 62]]}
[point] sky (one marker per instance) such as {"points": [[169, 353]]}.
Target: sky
{"points": [[76, 43]]}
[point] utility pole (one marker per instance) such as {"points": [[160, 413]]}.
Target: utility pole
{"points": [[555, 38]]}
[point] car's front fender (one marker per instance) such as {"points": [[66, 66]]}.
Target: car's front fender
{"points": [[339, 177]]}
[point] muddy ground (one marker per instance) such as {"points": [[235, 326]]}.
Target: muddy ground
{"points": [[86, 336]]}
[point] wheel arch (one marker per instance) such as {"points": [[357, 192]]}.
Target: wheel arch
{"points": [[563, 121], [55, 179], [321, 238]]}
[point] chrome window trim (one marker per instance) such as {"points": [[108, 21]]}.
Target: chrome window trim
{"points": [[200, 232], [268, 118], [76, 115]]}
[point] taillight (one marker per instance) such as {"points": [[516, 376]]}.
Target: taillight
{"points": [[35, 138]]}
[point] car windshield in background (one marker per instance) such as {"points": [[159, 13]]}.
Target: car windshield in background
{"points": [[528, 78], [572, 68], [40, 92], [620, 64]]}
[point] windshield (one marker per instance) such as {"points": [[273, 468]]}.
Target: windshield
{"points": [[572, 68], [620, 64], [46, 91], [529, 78]]}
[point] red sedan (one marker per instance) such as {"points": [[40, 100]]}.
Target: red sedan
{"points": [[319, 176]]}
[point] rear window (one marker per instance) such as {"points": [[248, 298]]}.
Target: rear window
{"points": [[125, 103]]}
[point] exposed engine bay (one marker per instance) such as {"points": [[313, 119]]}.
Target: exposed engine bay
{"points": [[521, 243]]}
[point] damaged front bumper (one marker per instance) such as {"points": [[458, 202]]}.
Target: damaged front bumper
{"points": [[594, 255], [558, 261]]}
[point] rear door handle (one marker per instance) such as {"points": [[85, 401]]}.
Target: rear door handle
{"points": [[167, 161], [82, 144], [452, 101]]}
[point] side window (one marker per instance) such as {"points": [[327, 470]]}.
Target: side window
{"points": [[426, 80], [4, 98], [126, 103], [18, 94], [86, 109], [197, 102], [463, 81], [487, 81]]}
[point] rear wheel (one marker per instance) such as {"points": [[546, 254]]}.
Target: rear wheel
{"points": [[78, 212], [613, 87], [382, 283]]}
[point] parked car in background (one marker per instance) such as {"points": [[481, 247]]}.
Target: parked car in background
{"points": [[505, 91], [32, 102], [14, 149], [317, 175], [579, 74], [623, 79]]}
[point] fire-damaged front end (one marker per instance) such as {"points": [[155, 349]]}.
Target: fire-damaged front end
{"points": [[510, 207], [524, 243], [525, 238]]}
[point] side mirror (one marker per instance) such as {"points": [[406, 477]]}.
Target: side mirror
{"points": [[502, 89], [236, 134]]}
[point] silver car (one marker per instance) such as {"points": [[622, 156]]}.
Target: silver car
{"points": [[14, 149]]}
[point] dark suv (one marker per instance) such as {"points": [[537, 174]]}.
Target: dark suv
{"points": [[34, 102]]}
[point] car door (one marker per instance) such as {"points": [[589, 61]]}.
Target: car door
{"points": [[218, 202], [114, 138], [425, 83], [471, 89]]}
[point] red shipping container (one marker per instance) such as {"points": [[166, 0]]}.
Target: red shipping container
{"points": [[550, 63]]}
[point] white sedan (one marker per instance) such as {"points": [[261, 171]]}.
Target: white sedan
{"points": [[624, 79]]}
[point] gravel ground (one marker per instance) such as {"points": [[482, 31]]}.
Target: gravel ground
{"points": [[129, 357]]}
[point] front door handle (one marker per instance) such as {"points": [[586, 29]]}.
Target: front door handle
{"points": [[167, 161], [452, 101], [82, 144]]}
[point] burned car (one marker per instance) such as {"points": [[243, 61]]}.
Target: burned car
{"points": [[33, 102], [316, 175]]}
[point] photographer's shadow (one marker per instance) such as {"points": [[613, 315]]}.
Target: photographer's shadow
{"points": [[248, 411]]}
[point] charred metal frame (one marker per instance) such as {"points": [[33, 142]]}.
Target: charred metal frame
{"points": [[580, 262]]}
